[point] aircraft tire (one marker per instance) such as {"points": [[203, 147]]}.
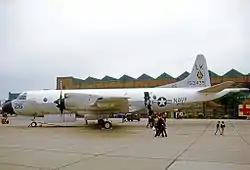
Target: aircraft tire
{"points": [[33, 124], [107, 125]]}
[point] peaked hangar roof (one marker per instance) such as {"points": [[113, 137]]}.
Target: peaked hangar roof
{"points": [[91, 79], [163, 76], [145, 77], [108, 78], [232, 72], [183, 75], [126, 78]]}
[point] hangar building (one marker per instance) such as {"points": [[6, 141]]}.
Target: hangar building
{"points": [[145, 80]]}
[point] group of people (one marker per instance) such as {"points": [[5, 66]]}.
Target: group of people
{"points": [[158, 123], [160, 127], [220, 127]]}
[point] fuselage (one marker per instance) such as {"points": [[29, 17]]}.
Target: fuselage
{"points": [[42, 102]]}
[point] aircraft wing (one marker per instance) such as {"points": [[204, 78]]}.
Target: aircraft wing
{"points": [[80, 101], [217, 88], [107, 103]]}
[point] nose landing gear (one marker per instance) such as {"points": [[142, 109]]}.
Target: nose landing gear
{"points": [[34, 123]]}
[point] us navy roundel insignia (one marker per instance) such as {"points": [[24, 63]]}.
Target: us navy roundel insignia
{"points": [[45, 99], [162, 101]]}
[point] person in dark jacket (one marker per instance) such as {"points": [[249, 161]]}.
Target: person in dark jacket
{"points": [[156, 126], [160, 127]]}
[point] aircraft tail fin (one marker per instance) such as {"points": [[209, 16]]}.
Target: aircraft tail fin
{"points": [[199, 77]]}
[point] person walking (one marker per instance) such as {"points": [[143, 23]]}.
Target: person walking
{"points": [[222, 128], [149, 122], [157, 126], [164, 126], [160, 130], [123, 118], [165, 116], [217, 128]]}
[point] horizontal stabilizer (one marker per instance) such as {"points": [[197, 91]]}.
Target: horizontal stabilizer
{"points": [[217, 88]]}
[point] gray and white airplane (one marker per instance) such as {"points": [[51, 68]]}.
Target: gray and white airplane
{"points": [[97, 104]]}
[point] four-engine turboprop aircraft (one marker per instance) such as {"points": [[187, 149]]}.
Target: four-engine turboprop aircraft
{"points": [[97, 104]]}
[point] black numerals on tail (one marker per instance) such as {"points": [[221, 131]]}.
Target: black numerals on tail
{"points": [[193, 83]]}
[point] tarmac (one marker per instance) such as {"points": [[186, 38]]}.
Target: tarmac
{"points": [[191, 144]]}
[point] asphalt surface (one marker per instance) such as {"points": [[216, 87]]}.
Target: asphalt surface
{"points": [[191, 144]]}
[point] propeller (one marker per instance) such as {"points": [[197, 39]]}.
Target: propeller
{"points": [[61, 101], [148, 103]]}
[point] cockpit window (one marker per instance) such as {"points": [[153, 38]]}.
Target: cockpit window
{"points": [[22, 96]]}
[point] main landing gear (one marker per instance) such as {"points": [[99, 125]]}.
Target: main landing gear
{"points": [[105, 124]]}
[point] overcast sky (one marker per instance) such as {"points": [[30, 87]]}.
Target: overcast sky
{"points": [[43, 39]]}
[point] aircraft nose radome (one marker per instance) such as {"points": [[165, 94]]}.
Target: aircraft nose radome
{"points": [[7, 108]]}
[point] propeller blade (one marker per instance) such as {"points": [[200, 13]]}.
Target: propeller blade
{"points": [[60, 101]]}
